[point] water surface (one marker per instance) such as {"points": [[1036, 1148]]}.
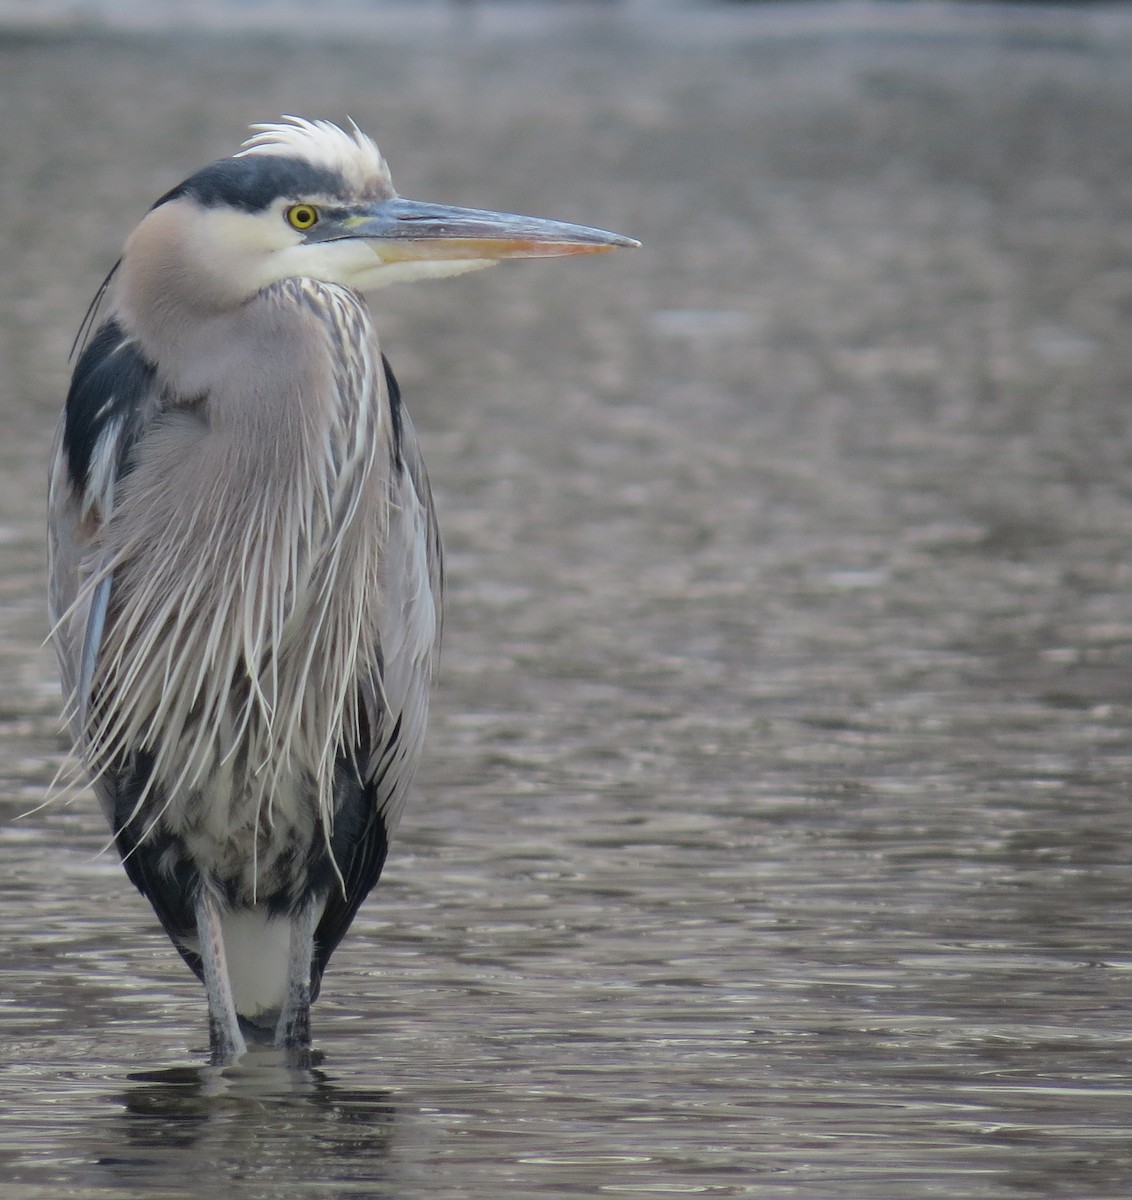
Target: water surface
{"points": [[773, 833]]}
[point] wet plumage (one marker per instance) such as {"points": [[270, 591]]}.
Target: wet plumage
{"points": [[245, 564]]}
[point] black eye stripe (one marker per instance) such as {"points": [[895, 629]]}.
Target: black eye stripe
{"points": [[255, 182]]}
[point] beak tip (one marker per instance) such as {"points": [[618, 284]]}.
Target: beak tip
{"points": [[601, 244]]}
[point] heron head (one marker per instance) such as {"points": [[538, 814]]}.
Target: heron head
{"points": [[310, 199]]}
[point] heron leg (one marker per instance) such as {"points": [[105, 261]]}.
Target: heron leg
{"points": [[226, 1040], [293, 1030]]}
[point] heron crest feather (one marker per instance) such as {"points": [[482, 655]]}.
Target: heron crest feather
{"points": [[350, 152]]}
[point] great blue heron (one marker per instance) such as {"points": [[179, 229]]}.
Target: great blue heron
{"points": [[245, 564]]}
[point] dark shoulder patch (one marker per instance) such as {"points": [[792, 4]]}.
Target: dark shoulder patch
{"points": [[394, 408], [112, 382], [359, 845], [256, 181], [157, 863]]}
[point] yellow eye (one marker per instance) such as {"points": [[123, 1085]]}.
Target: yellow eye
{"points": [[301, 216]]}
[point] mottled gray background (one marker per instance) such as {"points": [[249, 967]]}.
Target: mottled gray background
{"points": [[773, 836]]}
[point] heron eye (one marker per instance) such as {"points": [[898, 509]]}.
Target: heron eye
{"points": [[301, 216]]}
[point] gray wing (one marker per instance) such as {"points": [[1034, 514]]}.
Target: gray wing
{"points": [[374, 778], [112, 400], [410, 624]]}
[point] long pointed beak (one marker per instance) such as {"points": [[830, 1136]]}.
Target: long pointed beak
{"points": [[401, 230]]}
